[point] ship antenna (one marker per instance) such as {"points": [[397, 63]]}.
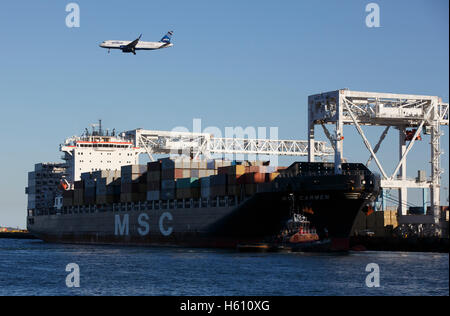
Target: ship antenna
{"points": [[100, 127]]}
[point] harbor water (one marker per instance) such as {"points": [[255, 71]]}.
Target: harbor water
{"points": [[32, 267]]}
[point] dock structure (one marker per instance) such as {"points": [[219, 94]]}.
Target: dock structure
{"points": [[411, 115]]}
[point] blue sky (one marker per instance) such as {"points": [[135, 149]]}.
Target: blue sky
{"points": [[234, 63]]}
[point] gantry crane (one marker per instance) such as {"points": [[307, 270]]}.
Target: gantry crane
{"points": [[421, 114], [204, 144]]}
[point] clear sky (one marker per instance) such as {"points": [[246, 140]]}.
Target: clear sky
{"points": [[234, 63]]}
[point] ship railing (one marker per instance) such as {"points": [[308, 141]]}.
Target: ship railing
{"points": [[219, 201], [327, 173]]}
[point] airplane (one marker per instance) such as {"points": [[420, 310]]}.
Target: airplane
{"points": [[132, 47]]}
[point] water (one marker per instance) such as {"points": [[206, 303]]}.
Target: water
{"points": [[31, 267]]}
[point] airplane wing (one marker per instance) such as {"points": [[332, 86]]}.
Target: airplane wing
{"points": [[133, 44]]}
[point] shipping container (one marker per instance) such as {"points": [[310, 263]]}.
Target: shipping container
{"points": [[133, 197], [133, 169], [79, 185], [167, 184], [153, 195], [179, 163], [68, 197], [154, 176], [218, 190], [271, 176], [253, 177], [187, 183], [89, 183], [154, 166], [167, 194], [218, 180], [154, 186], [85, 176], [195, 173], [188, 193], [186, 173], [205, 187]]}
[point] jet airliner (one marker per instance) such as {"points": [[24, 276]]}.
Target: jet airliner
{"points": [[133, 46]]}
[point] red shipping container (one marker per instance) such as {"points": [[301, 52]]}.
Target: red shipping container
{"points": [[178, 173]]}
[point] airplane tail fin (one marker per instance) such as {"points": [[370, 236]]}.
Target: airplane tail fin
{"points": [[166, 38]]}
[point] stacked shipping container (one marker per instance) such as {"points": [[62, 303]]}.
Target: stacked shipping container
{"points": [[188, 169], [107, 186], [133, 183], [154, 180], [170, 179], [78, 193]]}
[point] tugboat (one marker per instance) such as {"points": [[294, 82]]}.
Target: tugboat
{"points": [[296, 235], [298, 230]]}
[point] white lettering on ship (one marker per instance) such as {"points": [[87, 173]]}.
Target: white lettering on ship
{"points": [[314, 197], [145, 227], [122, 225], [164, 231]]}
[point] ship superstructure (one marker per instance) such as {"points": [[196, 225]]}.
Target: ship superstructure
{"points": [[97, 150]]}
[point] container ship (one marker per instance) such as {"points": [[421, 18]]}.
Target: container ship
{"points": [[100, 194]]}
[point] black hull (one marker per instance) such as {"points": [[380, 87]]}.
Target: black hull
{"points": [[256, 219], [330, 203]]}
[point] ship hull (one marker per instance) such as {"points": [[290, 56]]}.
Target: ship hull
{"points": [[255, 219]]}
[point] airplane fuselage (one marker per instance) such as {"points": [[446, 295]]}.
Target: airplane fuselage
{"points": [[139, 46]]}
